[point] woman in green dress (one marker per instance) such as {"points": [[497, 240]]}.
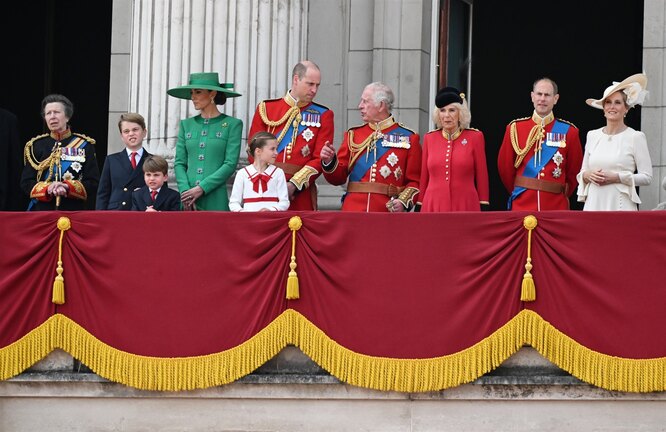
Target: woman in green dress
{"points": [[208, 144]]}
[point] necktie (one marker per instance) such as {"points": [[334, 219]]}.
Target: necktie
{"points": [[133, 160], [153, 194]]}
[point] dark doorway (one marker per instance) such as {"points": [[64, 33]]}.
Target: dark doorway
{"points": [[580, 45], [58, 47]]}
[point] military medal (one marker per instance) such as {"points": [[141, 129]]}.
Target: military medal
{"points": [[311, 119], [307, 134], [464, 141], [392, 159], [76, 166], [385, 171], [556, 140], [396, 141], [397, 173], [305, 151], [558, 159]]}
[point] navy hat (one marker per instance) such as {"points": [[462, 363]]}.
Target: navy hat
{"points": [[448, 95]]}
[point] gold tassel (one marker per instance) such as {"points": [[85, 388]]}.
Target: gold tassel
{"points": [[295, 224], [59, 283], [528, 290]]}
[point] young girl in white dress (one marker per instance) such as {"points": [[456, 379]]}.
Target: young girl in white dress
{"points": [[260, 186]]}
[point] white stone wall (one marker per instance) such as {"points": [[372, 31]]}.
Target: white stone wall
{"points": [[653, 112], [156, 44]]}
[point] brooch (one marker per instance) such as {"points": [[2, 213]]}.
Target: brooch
{"points": [[392, 159], [307, 134], [385, 171]]}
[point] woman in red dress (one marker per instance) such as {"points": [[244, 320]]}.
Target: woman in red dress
{"points": [[454, 175]]}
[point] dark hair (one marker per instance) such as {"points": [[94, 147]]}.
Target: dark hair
{"points": [[553, 83], [132, 118], [220, 98], [155, 163], [66, 103], [259, 140]]}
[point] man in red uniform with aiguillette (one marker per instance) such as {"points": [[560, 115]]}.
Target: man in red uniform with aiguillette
{"points": [[381, 159], [301, 127], [540, 155]]}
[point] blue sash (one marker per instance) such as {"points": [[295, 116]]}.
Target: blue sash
{"points": [[361, 166], [547, 152], [315, 111]]}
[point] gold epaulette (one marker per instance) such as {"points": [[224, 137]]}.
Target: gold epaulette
{"points": [[27, 150], [357, 127], [405, 127], [520, 119], [85, 137], [32, 140], [567, 122], [474, 129]]}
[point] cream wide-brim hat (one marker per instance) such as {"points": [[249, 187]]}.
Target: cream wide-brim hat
{"points": [[633, 87]]}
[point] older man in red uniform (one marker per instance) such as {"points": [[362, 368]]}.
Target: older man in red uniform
{"points": [[302, 127], [381, 159], [540, 155]]}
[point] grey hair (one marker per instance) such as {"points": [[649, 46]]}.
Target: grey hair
{"points": [[382, 93], [464, 115], [553, 83]]}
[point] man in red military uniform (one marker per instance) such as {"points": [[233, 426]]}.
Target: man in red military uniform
{"points": [[302, 127], [381, 159], [540, 155]]}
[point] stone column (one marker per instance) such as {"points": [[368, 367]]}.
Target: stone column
{"points": [[653, 114], [253, 43], [356, 42]]}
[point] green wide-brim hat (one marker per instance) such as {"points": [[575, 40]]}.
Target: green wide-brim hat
{"points": [[204, 81]]}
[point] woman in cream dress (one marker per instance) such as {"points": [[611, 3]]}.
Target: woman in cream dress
{"points": [[616, 158]]}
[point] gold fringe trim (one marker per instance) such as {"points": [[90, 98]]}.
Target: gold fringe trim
{"points": [[605, 371], [380, 373]]}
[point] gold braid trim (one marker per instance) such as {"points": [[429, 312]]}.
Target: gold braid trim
{"points": [[291, 118], [302, 178], [406, 197], [535, 136], [29, 155], [380, 373], [355, 149]]}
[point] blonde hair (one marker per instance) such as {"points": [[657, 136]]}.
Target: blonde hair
{"points": [[464, 115]]}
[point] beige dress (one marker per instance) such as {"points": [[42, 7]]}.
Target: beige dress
{"points": [[625, 153]]}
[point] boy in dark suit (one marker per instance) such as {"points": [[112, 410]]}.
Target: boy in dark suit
{"points": [[155, 195], [122, 171]]}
